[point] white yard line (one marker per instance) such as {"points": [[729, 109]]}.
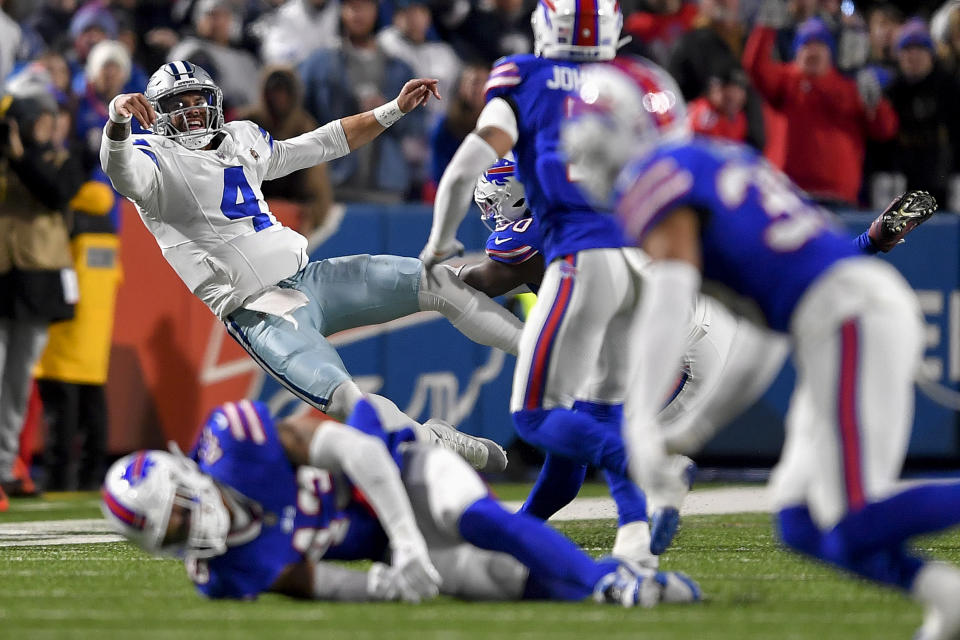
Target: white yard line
{"points": [[702, 502], [88, 531]]}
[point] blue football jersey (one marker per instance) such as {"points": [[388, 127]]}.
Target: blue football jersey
{"points": [[761, 236], [540, 90], [294, 511], [515, 242]]}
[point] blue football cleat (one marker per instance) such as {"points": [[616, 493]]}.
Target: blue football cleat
{"points": [[665, 520], [663, 527]]}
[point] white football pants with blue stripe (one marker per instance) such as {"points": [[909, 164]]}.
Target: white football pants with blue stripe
{"points": [[355, 291]]}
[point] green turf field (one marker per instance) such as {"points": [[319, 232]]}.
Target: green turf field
{"points": [[753, 589]]}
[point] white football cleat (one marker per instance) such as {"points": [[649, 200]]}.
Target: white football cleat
{"points": [[633, 586], [483, 454]]}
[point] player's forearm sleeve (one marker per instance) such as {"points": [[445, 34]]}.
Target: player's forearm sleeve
{"points": [[864, 244], [365, 461], [455, 190], [132, 173], [332, 582], [662, 326], [325, 143]]}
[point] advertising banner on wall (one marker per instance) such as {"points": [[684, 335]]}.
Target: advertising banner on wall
{"points": [[172, 360]]}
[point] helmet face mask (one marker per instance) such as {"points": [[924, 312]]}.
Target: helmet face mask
{"points": [[500, 196], [561, 31], [189, 105], [165, 505]]}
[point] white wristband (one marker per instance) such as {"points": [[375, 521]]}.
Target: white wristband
{"points": [[388, 114], [116, 117]]}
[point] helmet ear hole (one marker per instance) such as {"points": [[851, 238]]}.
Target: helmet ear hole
{"points": [[520, 202]]}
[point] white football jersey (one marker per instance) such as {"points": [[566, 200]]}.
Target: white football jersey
{"points": [[206, 210]]}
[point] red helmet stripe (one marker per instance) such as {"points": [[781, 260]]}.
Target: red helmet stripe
{"points": [[125, 515], [586, 23], [138, 464], [648, 83]]}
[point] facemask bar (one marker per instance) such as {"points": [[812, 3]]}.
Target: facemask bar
{"points": [[167, 119]]}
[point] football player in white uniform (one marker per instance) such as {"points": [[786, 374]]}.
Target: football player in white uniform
{"points": [[196, 184]]}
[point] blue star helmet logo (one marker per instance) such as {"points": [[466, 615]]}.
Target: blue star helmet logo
{"points": [[137, 470]]}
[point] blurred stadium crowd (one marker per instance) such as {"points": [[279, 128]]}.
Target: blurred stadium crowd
{"points": [[856, 101]]}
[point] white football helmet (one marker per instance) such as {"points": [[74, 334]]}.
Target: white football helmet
{"points": [[584, 30], [622, 111], [139, 494], [500, 196], [175, 79]]}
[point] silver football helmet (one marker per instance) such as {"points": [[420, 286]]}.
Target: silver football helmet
{"points": [[194, 125], [140, 492], [575, 30], [500, 196]]}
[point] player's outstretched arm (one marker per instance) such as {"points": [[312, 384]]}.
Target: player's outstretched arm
{"points": [[495, 135], [318, 580], [496, 278], [133, 174], [666, 308], [364, 127], [338, 138]]}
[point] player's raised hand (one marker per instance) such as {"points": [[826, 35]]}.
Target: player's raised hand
{"points": [[137, 106], [417, 92]]}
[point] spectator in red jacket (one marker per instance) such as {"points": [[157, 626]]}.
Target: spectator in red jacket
{"points": [[719, 112], [829, 116], [660, 25]]}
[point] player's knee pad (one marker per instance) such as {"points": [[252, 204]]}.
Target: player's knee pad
{"points": [[798, 531], [452, 486]]}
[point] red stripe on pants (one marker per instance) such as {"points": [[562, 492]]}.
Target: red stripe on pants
{"points": [[541, 356], [848, 417]]}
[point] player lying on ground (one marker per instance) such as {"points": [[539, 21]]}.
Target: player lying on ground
{"points": [[196, 184], [718, 212], [727, 363], [263, 507]]}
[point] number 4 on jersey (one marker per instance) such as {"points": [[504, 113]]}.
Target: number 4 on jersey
{"points": [[241, 201]]}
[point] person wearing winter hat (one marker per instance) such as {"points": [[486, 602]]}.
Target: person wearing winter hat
{"points": [[927, 99], [829, 115]]}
